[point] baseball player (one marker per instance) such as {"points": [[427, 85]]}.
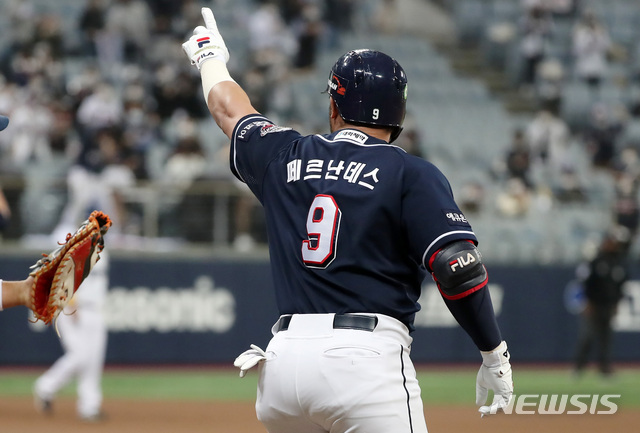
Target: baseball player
{"points": [[83, 334], [13, 293], [354, 225]]}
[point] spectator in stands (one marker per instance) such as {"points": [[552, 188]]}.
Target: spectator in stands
{"points": [[601, 136], [132, 21], [549, 86], [514, 200], [602, 279], [187, 162], [338, 14], [270, 40], [385, 17], [165, 12], [140, 127], [591, 44], [91, 23], [569, 189], [562, 9], [189, 17], [83, 84], [626, 208], [628, 162], [174, 89], [255, 83], [518, 160], [99, 184], [49, 33], [273, 48], [308, 28], [472, 196], [33, 64], [280, 95], [536, 27], [32, 122], [63, 137], [22, 20], [548, 137], [101, 109]]}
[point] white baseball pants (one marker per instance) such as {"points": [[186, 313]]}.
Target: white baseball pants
{"points": [[318, 379], [84, 340]]}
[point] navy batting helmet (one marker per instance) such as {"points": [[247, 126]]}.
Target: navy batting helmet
{"points": [[369, 88], [4, 122]]}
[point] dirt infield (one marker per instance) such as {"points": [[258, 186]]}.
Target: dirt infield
{"points": [[17, 415]]}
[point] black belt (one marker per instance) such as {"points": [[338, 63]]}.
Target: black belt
{"points": [[340, 321]]}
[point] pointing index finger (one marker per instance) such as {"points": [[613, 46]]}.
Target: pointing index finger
{"points": [[209, 20]]}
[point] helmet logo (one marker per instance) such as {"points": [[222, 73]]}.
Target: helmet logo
{"points": [[336, 85], [341, 88]]}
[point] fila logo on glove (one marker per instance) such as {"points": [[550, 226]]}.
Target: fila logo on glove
{"points": [[205, 55], [203, 41], [462, 262]]}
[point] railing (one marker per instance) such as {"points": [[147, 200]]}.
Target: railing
{"points": [[151, 210], [153, 197]]}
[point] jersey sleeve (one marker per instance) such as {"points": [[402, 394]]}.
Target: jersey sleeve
{"points": [[254, 144], [430, 213]]}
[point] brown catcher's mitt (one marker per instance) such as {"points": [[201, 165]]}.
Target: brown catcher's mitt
{"points": [[58, 275]]}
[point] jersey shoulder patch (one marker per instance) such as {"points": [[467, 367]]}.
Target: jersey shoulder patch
{"points": [[247, 126], [243, 132], [270, 129], [455, 218]]}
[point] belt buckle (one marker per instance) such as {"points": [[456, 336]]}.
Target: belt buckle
{"points": [[358, 322]]}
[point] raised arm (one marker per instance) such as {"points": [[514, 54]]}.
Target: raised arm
{"points": [[227, 101]]}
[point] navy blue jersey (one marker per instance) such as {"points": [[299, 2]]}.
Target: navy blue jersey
{"points": [[351, 220]]}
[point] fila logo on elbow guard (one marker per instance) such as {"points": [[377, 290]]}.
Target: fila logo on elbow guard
{"points": [[462, 261], [458, 269]]}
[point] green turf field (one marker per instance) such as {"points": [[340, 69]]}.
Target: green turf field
{"points": [[439, 385]]}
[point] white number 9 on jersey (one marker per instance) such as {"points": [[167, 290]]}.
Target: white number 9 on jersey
{"points": [[323, 223]]}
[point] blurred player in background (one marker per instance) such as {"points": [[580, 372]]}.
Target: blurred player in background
{"points": [[602, 280], [12, 293], [16, 293], [354, 225], [83, 334]]}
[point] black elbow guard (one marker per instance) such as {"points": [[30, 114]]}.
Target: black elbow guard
{"points": [[458, 270]]}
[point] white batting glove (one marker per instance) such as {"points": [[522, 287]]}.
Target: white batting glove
{"points": [[495, 375], [206, 42], [249, 359]]}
